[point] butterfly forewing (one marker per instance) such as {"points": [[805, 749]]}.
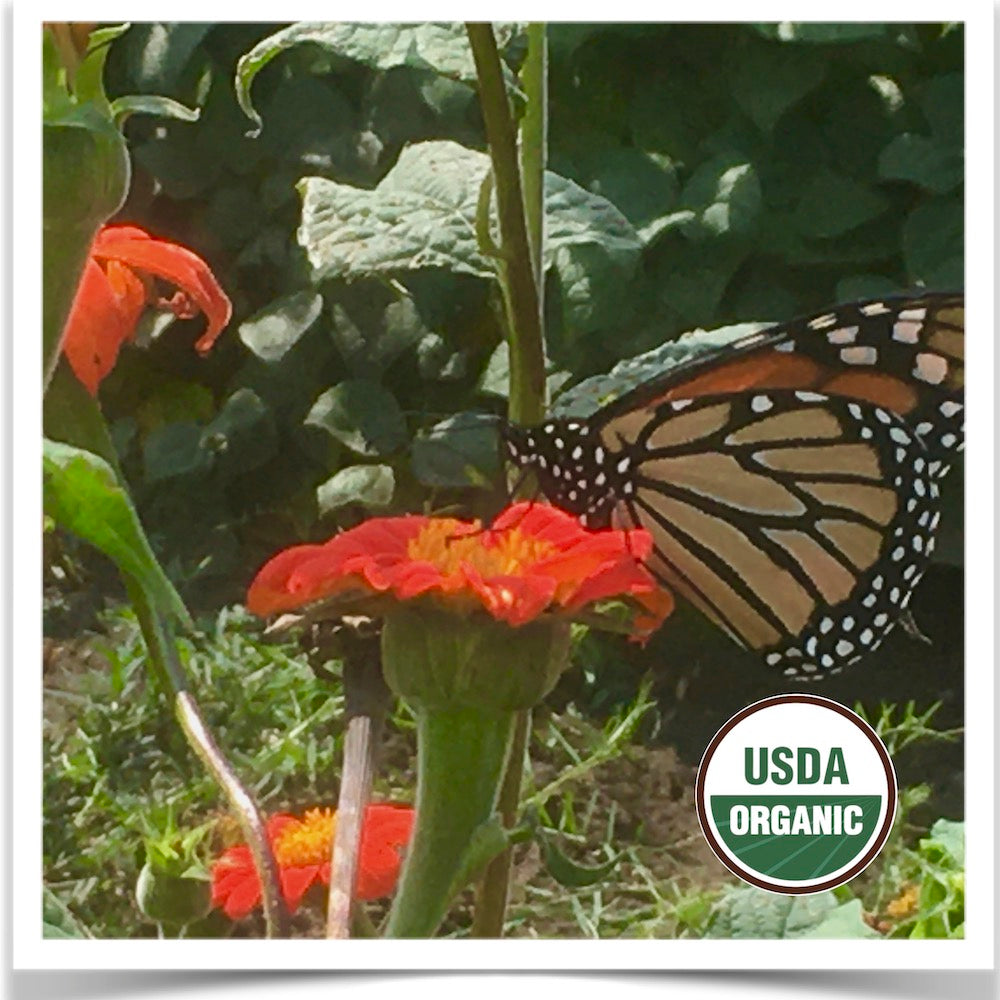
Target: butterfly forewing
{"points": [[904, 354]]}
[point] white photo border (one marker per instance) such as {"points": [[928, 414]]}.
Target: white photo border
{"points": [[31, 951]]}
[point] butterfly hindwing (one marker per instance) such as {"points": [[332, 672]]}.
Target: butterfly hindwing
{"points": [[797, 522]]}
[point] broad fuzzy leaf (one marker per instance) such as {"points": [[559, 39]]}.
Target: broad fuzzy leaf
{"points": [[423, 215], [746, 912]]}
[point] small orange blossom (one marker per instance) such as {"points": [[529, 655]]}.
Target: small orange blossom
{"points": [[302, 848], [116, 286]]}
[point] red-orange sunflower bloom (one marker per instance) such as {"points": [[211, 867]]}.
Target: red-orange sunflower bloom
{"points": [[534, 558], [302, 850], [116, 286]]}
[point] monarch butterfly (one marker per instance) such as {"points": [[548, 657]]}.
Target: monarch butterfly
{"points": [[789, 480]]}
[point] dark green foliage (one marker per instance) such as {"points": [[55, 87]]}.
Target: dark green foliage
{"points": [[753, 172]]}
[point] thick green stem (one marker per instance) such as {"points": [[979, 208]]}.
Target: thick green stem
{"points": [[461, 755], [527, 349]]}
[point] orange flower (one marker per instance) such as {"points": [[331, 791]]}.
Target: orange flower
{"points": [[302, 850], [117, 284], [534, 558]]}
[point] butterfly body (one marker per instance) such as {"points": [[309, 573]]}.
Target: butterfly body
{"points": [[790, 482]]}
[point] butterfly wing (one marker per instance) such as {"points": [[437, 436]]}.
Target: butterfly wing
{"points": [[904, 354], [797, 522], [789, 480]]}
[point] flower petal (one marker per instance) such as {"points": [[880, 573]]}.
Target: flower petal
{"points": [[173, 263], [656, 607], [96, 328], [621, 576], [295, 881], [384, 836], [365, 555], [512, 599], [244, 898]]}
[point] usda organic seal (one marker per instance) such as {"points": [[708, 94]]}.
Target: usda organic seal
{"points": [[796, 794]]}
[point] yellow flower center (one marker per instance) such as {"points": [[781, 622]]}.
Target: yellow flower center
{"points": [[508, 553], [307, 841]]}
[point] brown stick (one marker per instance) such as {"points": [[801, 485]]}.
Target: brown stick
{"points": [[355, 790]]}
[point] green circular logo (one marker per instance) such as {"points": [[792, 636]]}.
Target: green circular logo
{"points": [[796, 794]]}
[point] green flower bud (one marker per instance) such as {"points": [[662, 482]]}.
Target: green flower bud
{"points": [[446, 661]]}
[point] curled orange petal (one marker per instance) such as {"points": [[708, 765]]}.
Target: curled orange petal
{"points": [[115, 287]]}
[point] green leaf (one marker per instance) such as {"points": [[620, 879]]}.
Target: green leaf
{"points": [[362, 415], [673, 110], [495, 379], [768, 80], [57, 920], [934, 243], [691, 278], [844, 921], [89, 82], [152, 104], [437, 361], [819, 32], [73, 416], [945, 845], [423, 214], [916, 158], [170, 400], [372, 486], [642, 186], [833, 204], [461, 450], [83, 495], [437, 47], [592, 393], [154, 57], [311, 122], [242, 437], [275, 329], [174, 451], [943, 103], [566, 871], [724, 195], [595, 288], [748, 912], [856, 287], [373, 323], [183, 162]]}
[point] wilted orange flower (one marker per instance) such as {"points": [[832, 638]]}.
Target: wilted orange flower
{"points": [[532, 559], [302, 849], [117, 284]]}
